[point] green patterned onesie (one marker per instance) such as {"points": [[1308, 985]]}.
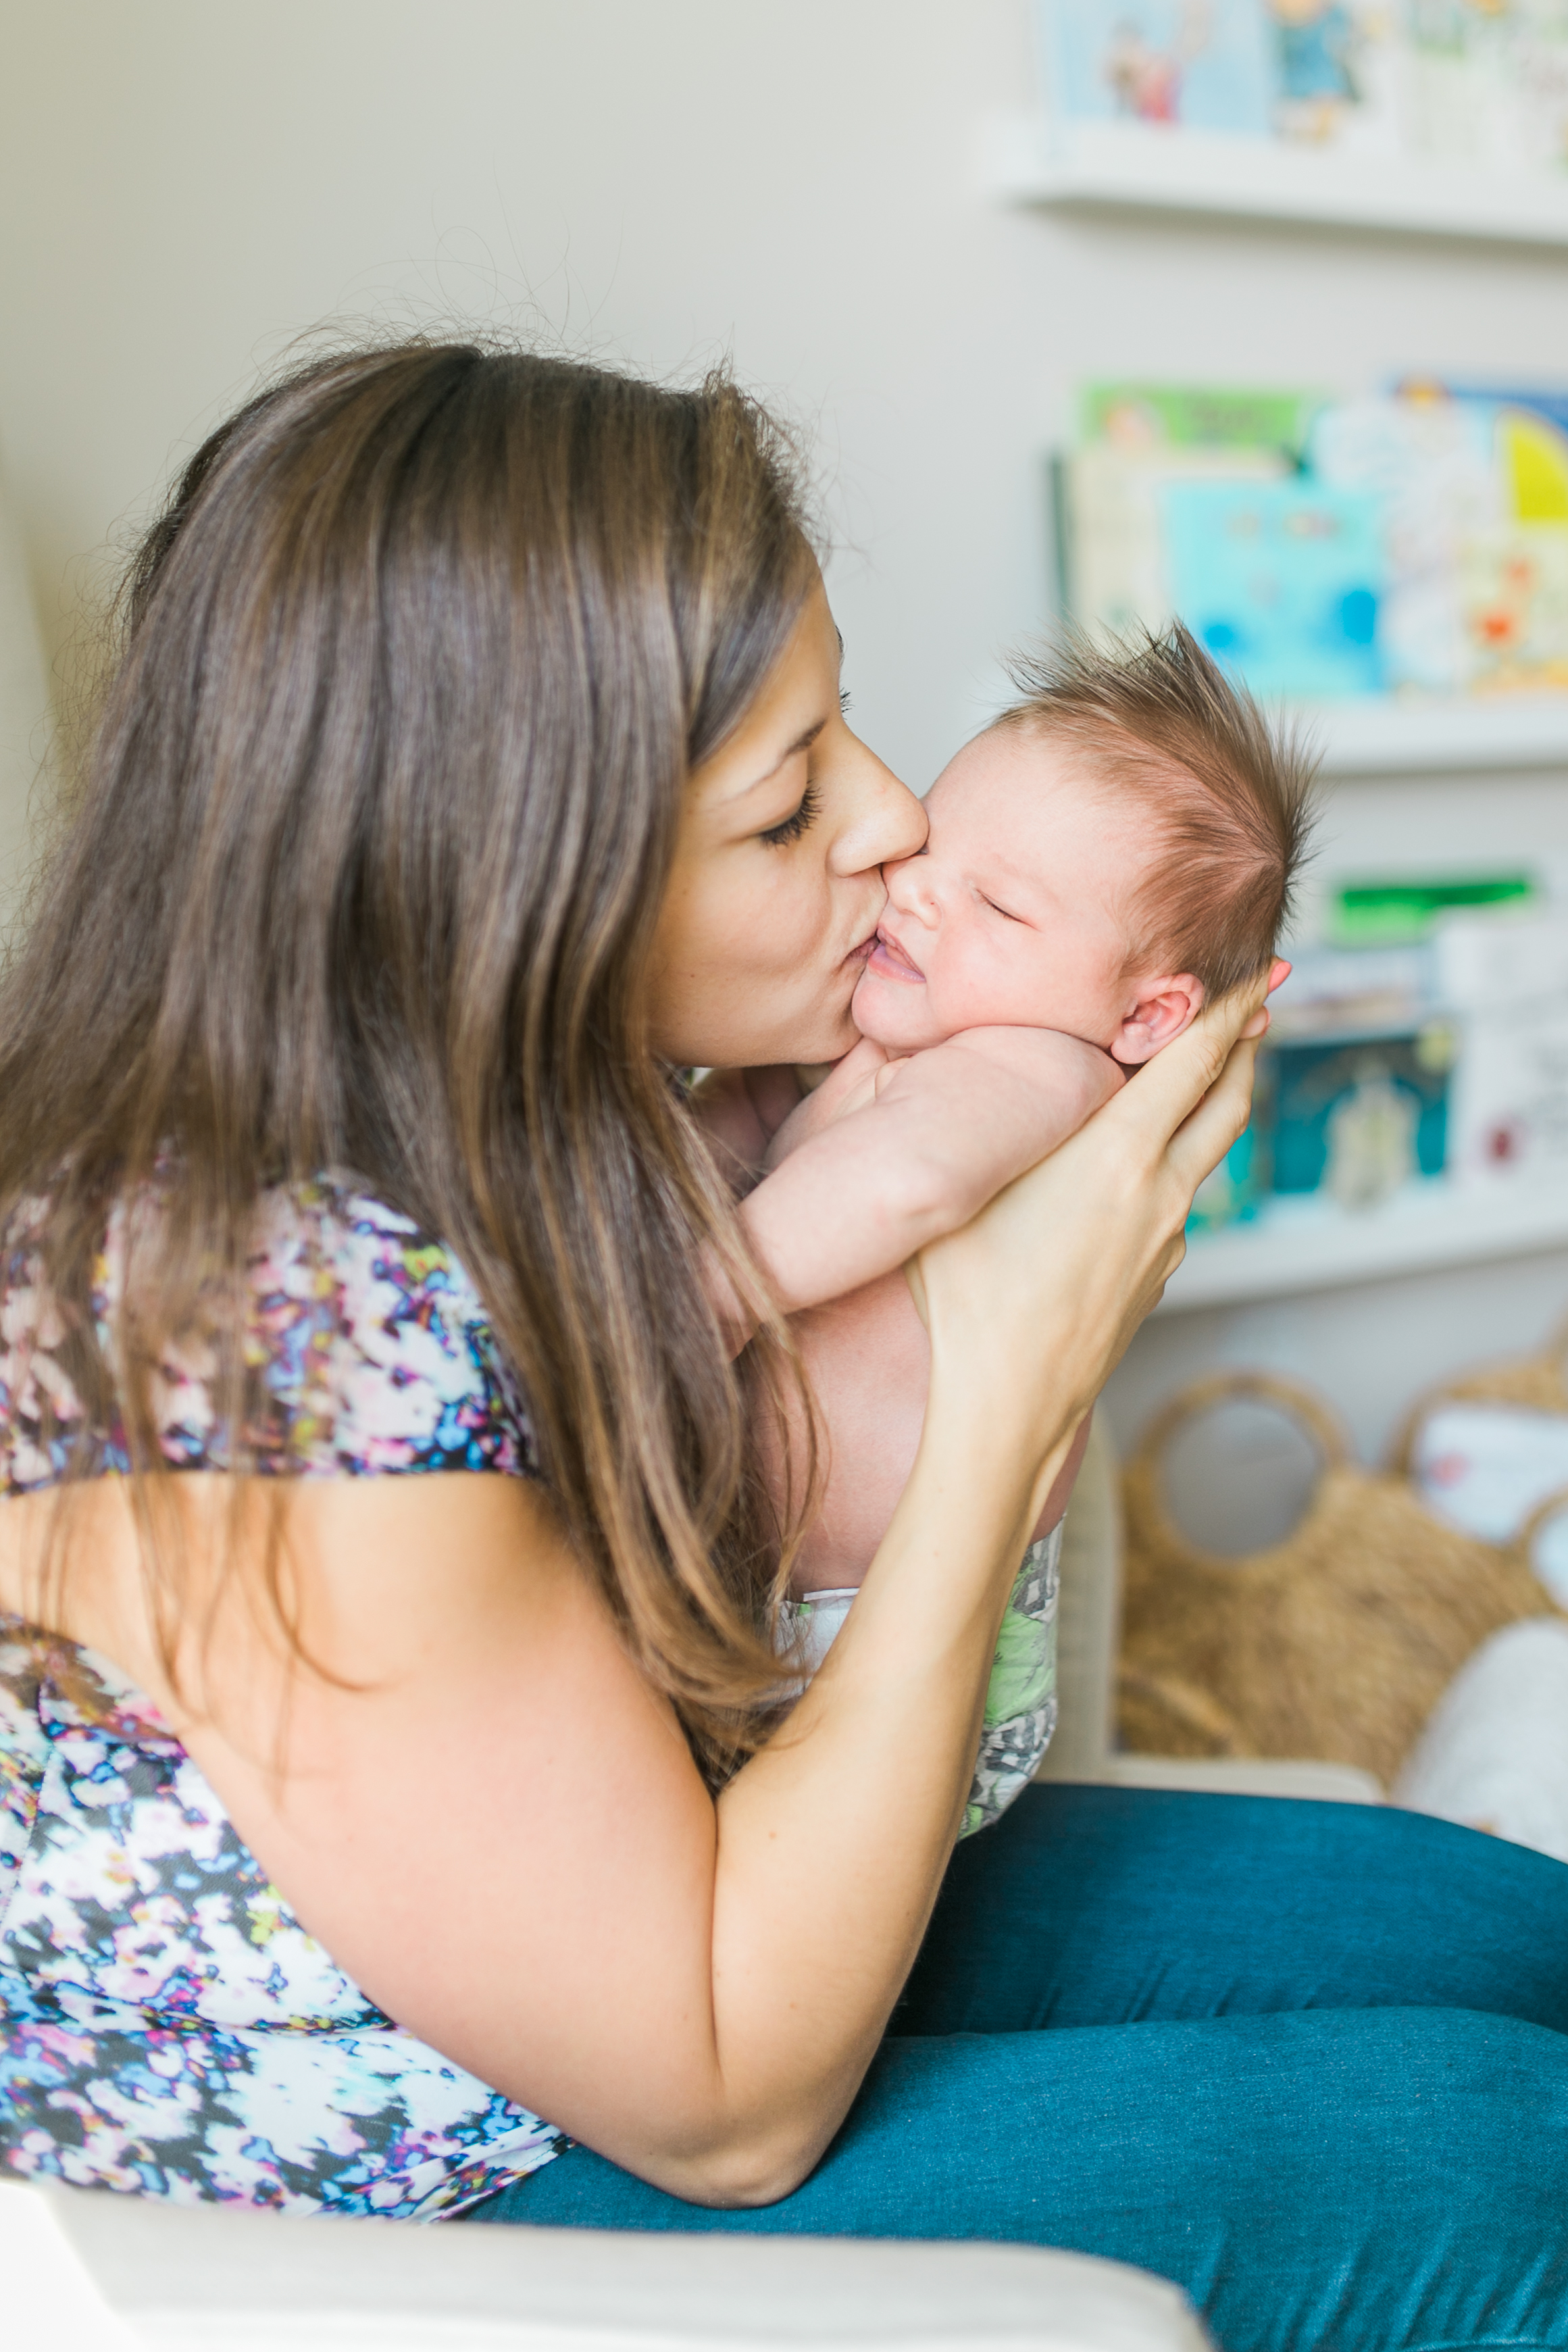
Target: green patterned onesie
{"points": [[1021, 1702]]}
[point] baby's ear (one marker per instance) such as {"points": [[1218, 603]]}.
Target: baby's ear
{"points": [[1165, 1007]]}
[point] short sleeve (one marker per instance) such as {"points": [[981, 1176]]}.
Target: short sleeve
{"points": [[366, 1350], [373, 1351]]}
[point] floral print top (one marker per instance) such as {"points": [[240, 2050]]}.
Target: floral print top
{"points": [[167, 2026]]}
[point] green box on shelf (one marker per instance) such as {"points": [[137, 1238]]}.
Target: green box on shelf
{"points": [[1399, 913], [1198, 416]]}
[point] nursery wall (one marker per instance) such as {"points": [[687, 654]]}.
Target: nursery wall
{"points": [[186, 187]]}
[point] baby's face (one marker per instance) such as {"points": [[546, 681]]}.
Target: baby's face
{"points": [[1012, 913]]}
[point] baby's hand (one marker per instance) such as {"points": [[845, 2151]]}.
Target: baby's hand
{"points": [[912, 1149], [739, 1112], [850, 1084]]}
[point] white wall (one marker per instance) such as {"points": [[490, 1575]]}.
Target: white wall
{"points": [[187, 184], [24, 705]]}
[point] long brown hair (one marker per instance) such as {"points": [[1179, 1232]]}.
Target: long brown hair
{"points": [[364, 876]]}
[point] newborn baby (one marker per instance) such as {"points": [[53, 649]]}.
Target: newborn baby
{"points": [[1116, 848], [1112, 851]]}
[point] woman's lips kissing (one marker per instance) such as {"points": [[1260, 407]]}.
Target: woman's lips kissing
{"points": [[888, 958]]}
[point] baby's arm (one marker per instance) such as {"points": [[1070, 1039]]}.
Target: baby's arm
{"points": [[740, 1112], [912, 1149]]}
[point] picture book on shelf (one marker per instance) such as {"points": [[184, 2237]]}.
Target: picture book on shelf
{"points": [[1513, 584], [1335, 73], [1281, 581], [1199, 64], [1481, 84], [1356, 1119], [1431, 461], [1140, 440], [1486, 83], [1412, 543], [1424, 1037], [1152, 417]]}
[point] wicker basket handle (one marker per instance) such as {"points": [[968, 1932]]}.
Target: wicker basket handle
{"points": [[1525, 1536], [1296, 1402], [1459, 1388]]}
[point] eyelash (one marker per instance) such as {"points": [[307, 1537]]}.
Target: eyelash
{"points": [[1000, 910], [778, 835]]}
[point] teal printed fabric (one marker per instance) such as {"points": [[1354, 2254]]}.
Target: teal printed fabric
{"points": [[1021, 1699]]}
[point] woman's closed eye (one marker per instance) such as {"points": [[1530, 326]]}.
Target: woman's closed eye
{"points": [[800, 818]]}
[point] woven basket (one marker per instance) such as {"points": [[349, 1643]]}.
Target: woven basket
{"points": [[1335, 1644]]}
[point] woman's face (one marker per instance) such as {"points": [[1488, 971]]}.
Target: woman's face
{"points": [[776, 889]]}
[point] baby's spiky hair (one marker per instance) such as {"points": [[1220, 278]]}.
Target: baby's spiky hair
{"points": [[1229, 795]]}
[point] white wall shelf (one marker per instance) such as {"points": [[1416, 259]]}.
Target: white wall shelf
{"points": [[1388, 736], [1316, 1247], [1130, 167]]}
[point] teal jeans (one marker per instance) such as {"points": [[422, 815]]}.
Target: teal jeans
{"points": [[1310, 2060]]}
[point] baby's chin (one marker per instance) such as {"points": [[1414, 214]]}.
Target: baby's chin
{"points": [[895, 1014]]}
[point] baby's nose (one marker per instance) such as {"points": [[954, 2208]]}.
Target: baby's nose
{"points": [[909, 885]]}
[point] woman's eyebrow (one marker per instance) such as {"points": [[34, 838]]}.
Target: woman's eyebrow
{"points": [[801, 743]]}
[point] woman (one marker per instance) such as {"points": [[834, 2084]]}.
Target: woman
{"points": [[474, 764]]}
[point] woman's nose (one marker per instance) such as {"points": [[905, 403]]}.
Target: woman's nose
{"points": [[886, 821]]}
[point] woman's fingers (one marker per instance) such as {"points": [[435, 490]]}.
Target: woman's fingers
{"points": [[1170, 1088], [1207, 1134]]}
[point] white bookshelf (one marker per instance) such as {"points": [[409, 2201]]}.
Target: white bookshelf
{"points": [[1388, 736], [1134, 168], [1298, 1247], [1314, 1246]]}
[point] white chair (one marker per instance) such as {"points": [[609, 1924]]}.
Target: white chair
{"points": [[1088, 1637], [93, 2272]]}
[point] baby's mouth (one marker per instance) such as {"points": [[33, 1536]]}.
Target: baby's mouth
{"points": [[889, 958]]}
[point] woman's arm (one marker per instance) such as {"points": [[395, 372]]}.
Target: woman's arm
{"points": [[494, 1824]]}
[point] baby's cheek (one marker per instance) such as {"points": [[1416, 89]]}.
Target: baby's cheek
{"points": [[981, 984]]}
